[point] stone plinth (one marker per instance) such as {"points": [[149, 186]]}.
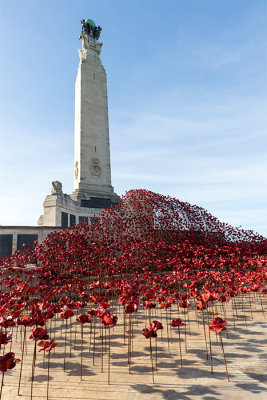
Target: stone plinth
{"points": [[62, 211]]}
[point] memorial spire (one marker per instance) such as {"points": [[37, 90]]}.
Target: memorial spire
{"points": [[92, 172]]}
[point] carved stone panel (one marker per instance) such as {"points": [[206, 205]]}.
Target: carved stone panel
{"points": [[76, 170], [95, 167]]}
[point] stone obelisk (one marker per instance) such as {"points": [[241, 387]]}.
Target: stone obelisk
{"points": [[92, 173]]}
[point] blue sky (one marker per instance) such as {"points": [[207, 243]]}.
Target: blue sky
{"points": [[187, 102]]}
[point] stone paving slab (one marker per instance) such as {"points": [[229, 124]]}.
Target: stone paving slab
{"points": [[245, 349]]}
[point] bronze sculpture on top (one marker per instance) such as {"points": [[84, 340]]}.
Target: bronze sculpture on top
{"points": [[90, 34], [89, 28]]}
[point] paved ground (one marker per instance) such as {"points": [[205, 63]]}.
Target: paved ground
{"points": [[245, 349]]}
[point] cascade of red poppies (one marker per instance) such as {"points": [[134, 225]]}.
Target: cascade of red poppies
{"points": [[152, 254]]}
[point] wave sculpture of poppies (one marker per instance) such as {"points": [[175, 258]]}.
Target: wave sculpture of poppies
{"points": [[153, 264]]}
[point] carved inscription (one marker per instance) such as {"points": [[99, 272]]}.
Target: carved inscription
{"points": [[95, 168], [76, 170]]}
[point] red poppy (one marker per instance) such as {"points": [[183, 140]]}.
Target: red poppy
{"points": [[26, 321], [39, 334], [67, 314], [104, 305], [102, 314], [3, 310], [184, 304], [151, 331], [149, 304], [166, 304], [155, 325], [201, 305], [8, 361], [218, 325], [83, 319], [223, 298], [95, 299], [92, 312], [5, 338], [148, 333], [47, 345], [107, 320], [208, 296], [130, 308], [194, 292], [39, 320], [6, 322], [177, 322], [49, 314]]}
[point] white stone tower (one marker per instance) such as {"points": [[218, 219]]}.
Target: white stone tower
{"points": [[92, 173]]}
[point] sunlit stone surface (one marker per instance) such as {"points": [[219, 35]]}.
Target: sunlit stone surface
{"points": [[92, 173]]}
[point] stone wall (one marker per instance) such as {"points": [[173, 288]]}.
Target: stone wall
{"points": [[60, 210], [12, 238]]}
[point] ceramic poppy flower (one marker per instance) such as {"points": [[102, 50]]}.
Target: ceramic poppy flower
{"points": [[8, 361], [67, 314], [184, 304], [6, 322], [95, 299], [104, 305], [148, 333], [130, 308], [49, 314], [102, 314], [92, 312], [206, 296], [83, 319], [47, 345], [155, 325], [149, 304], [194, 292], [26, 321], [201, 305], [39, 334], [151, 331], [223, 298], [39, 320], [5, 338], [177, 322], [107, 320], [3, 310], [218, 325], [165, 304], [233, 292]]}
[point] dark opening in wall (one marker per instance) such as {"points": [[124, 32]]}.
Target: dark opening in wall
{"points": [[83, 220], [27, 239], [95, 221], [72, 220], [97, 202], [64, 220], [6, 242]]}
